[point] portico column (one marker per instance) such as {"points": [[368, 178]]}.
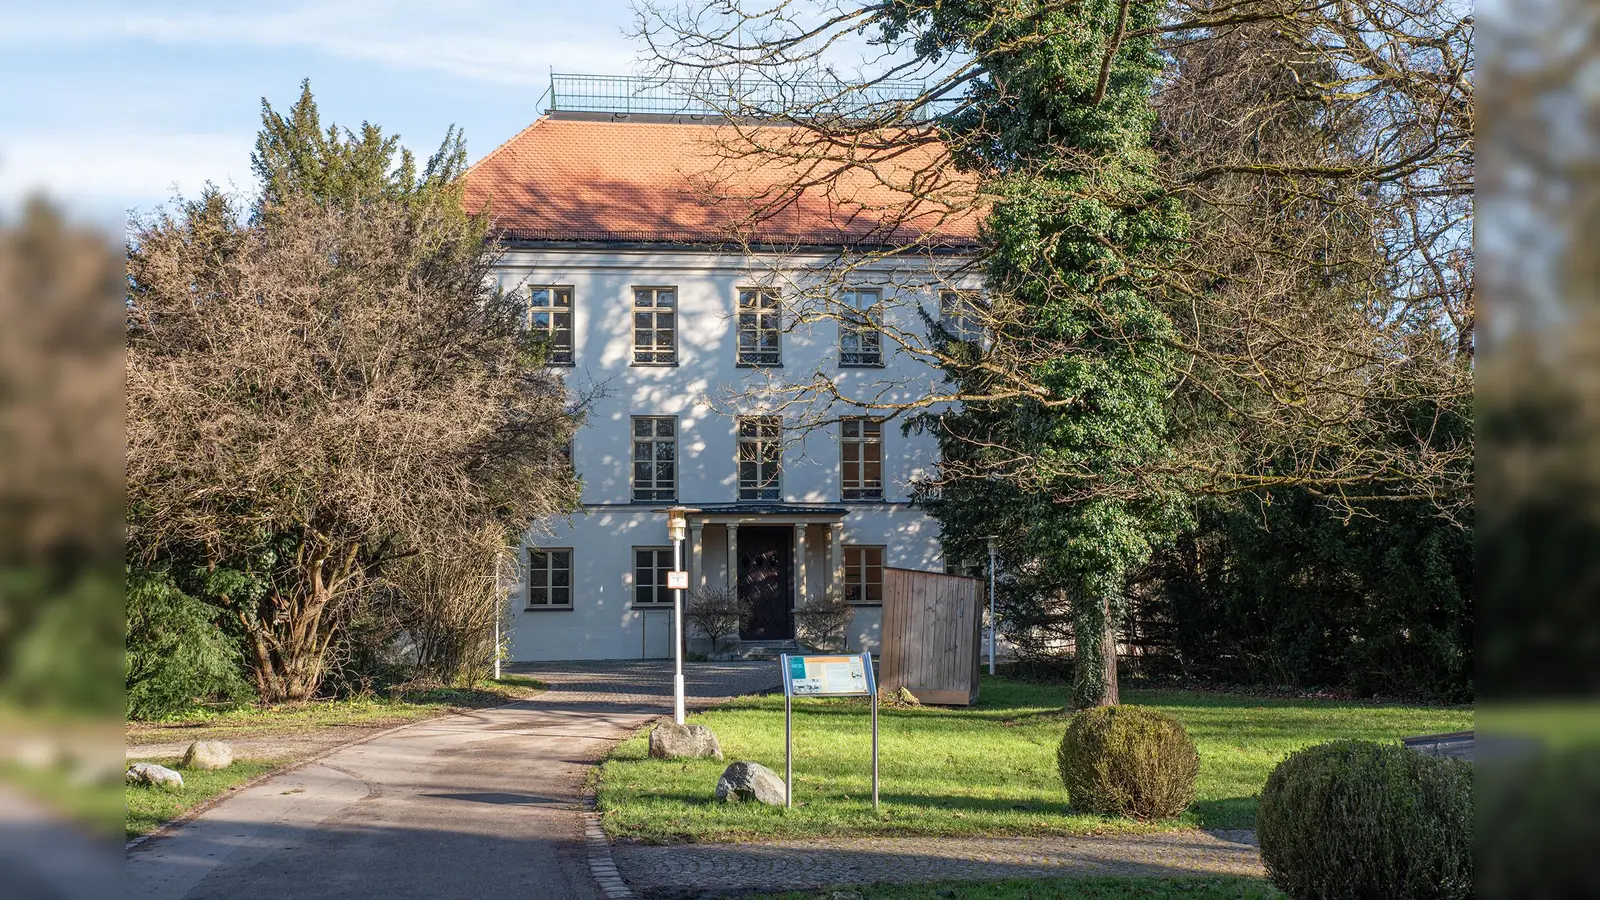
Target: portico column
{"points": [[836, 557], [733, 557], [697, 547], [799, 564]]}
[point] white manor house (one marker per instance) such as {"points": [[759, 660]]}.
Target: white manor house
{"points": [[628, 266]]}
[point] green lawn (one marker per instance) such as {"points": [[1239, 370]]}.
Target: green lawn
{"points": [[985, 770], [148, 807], [370, 710], [1057, 889]]}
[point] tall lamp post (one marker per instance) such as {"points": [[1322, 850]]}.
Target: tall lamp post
{"points": [[677, 527]]}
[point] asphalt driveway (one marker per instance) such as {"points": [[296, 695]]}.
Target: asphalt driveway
{"points": [[481, 804]]}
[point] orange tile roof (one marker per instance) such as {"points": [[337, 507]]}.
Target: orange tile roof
{"points": [[585, 180]]}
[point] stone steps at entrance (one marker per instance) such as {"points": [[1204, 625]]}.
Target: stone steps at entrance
{"points": [[765, 649]]}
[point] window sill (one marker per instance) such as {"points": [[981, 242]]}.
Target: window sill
{"points": [[745, 365], [872, 500], [654, 365], [652, 607], [876, 365], [547, 609]]}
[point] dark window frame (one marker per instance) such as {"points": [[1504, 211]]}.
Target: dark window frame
{"points": [[958, 314], [759, 441], [547, 578], [654, 492], [758, 320], [552, 329], [660, 564], [860, 436], [655, 352], [859, 586], [868, 338]]}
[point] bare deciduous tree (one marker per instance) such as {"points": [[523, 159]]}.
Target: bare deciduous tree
{"points": [[320, 391], [1325, 152]]}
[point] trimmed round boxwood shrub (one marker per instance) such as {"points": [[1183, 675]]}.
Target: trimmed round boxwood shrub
{"points": [[1350, 820], [1128, 761]]}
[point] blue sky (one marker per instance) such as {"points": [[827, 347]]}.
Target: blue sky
{"points": [[114, 106]]}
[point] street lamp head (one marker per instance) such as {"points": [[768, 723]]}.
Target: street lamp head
{"points": [[677, 521]]}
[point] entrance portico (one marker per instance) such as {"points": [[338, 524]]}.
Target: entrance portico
{"points": [[775, 556]]}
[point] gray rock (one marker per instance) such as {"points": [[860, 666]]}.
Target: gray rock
{"points": [[152, 775], [744, 781], [208, 755], [672, 741]]}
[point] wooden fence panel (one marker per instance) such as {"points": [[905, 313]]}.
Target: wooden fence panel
{"points": [[931, 635]]}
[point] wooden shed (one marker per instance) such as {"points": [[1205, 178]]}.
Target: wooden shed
{"points": [[932, 630]]}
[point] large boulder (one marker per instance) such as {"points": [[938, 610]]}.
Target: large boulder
{"points": [[152, 775], [208, 755], [745, 781], [672, 741]]}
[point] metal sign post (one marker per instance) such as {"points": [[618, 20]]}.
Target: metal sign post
{"points": [[825, 676]]}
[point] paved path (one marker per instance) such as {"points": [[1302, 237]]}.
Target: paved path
{"points": [[475, 805], [712, 869]]}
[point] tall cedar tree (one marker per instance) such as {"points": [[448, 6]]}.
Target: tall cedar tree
{"points": [[1080, 216]]}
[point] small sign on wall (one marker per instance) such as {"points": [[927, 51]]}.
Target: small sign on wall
{"points": [[677, 581]]}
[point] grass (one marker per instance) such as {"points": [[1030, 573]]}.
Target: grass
{"points": [[367, 710], [1056, 889], [149, 807], [988, 770]]}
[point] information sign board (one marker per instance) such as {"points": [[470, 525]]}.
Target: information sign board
{"points": [[677, 581], [829, 676], [825, 676]]}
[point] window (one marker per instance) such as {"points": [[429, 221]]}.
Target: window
{"points": [[549, 578], [959, 312], [760, 331], [760, 457], [549, 315], [863, 575], [860, 344], [861, 459], [655, 457], [650, 568], [655, 326]]}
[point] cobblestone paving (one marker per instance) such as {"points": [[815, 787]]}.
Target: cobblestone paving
{"points": [[646, 685], [710, 869]]}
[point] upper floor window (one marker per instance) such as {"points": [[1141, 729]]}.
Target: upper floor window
{"points": [[655, 326], [860, 343], [861, 459], [549, 315], [655, 457], [650, 568], [863, 574], [760, 328], [959, 311], [760, 457], [549, 578]]}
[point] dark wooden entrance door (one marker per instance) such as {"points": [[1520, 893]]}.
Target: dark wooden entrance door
{"points": [[766, 570]]}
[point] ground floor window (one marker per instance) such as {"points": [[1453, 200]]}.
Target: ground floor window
{"points": [[863, 575], [549, 578], [650, 568]]}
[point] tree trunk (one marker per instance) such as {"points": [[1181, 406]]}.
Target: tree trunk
{"points": [[1108, 659]]}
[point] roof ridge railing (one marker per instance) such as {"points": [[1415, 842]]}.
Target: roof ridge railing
{"points": [[625, 95]]}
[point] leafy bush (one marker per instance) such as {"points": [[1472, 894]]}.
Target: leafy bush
{"points": [[1128, 761], [175, 653], [1355, 819], [1541, 811]]}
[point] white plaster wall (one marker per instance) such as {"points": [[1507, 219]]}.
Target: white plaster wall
{"points": [[603, 624]]}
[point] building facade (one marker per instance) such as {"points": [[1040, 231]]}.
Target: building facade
{"points": [[662, 322]]}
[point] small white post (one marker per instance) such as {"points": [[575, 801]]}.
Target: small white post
{"points": [[993, 555], [497, 640]]}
